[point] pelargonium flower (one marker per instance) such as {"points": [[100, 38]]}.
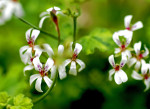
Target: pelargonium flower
{"points": [[43, 73], [47, 14], [120, 75], [145, 75], [136, 26], [26, 51], [138, 59], [61, 68], [123, 44], [9, 8], [74, 60]]}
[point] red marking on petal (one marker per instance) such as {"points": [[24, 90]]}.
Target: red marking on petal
{"points": [[117, 68], [140, 56], [123, 47], [128, 28], [146, 76]]}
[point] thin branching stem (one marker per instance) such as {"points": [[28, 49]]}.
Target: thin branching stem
{"points": [[74, 30]]}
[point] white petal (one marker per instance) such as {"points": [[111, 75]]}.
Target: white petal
{"points": [[136, 76], [62, 72], [56, 8], [34, 77], [111, 60], [38, 84], [42, 21], [53, 71], [48, 65], [137, 26], [49, 10], [137, 47], [44, 14], [22, 49], [37, 64], [123, 75], [18, 10], [38, 50], [78, 48], [60, 49], [48, 49], [28, 34], [73, 70], [146, 82], [29, 67], [48, 81], [146, 52], [35, 34], [144, 68], [128, 36], [116, 39], [131, 62], [111, 72], [127, 20], [127, 53], [66, 62], [81, 63], [123, 61], [25, 57], [117, 78], [137, 65], [117, 50]]}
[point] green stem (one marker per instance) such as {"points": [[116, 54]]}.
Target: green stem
{"points": [[48, 91], [74, 30], [26, 22], [57, 27]]}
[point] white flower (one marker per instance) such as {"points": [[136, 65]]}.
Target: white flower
{"points": [[43, 73], [145, 75], [46, 14], [74, 60], [61, 68], [138, 59], [134, 27], [120, 75], [123, 44], [10, 7], [26, 51]]}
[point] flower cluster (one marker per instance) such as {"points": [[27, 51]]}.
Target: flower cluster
{"points": [[8, 8], [31, 53], [123, 39]]}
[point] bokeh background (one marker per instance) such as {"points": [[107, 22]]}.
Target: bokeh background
{"points": [[90, 88]]}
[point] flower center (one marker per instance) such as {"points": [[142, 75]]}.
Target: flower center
{"points": [[128, 28], [123, 47], [117, 68], [42, 73], [31, 42], [146, 76], [140, 56], [14, 0]]}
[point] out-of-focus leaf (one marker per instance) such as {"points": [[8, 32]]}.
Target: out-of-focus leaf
{"points": [[99, 38], [21, 102], [4, 99]]}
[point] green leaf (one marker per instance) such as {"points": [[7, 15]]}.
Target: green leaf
{"points": [[4, 99], [99, 38], [21, 102]]}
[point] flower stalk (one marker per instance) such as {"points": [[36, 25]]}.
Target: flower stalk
{"points": [[74, 30]]}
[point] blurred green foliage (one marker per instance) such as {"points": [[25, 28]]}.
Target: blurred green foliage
{"points": [[98, 21]]}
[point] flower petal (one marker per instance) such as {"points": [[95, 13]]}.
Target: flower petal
{"points": [[147, 83], [123, 61], [144, 68], [48, 81], [116, 39], [131, 62], [127, 20], [48, 49], [123, 75], [53, 71], [137, 26], [137, 65], [56, 8], [29, 67], [35, 34], [78, 48], [137, 47], [66, 62], [81, 63], [18, 10], [62, 72], [34, 77], [50, 9], [136, 76], [117, 78], [127, 53], [111, 60], [117, 50], [44, 14], [37, 64], [111, 72], [28, 34], [38, 50], [42, 20], [60, 49], [38, 84], [48, 65], [146, 52], [73, 70]]}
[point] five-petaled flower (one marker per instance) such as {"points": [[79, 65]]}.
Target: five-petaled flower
{"points": [[43, 73], [51, 11], [138, 59], [123, 44], [8, 8], [127, 21], [145, 75], [120, 75], [74, 60]]}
